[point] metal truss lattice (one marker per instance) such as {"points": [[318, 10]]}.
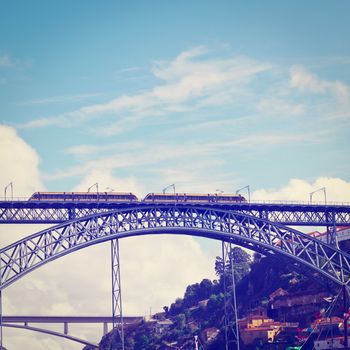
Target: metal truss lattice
{"points": [[284, 213], [36, 250], [230, 303], [117, 310]]}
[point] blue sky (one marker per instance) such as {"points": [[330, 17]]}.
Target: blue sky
{"points": [[139, 95], [206, 94]]}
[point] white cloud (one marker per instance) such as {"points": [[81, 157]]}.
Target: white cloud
{"points": [[305, 81], [280, 107], [130, 155], [106, 181], [19, 163], [183, 81], [61, 99], [337, 190]]}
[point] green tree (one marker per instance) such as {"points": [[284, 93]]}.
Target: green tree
{"points": [[205, 289], [191, 295], [241, 261], [180, 321], [177, 307], [142, 342]]}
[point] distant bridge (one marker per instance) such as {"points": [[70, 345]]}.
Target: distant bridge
{"points": [[22, 322]]}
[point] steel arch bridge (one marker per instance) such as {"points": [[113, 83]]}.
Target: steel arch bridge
{"points": [[242, 227], [31, 252]]}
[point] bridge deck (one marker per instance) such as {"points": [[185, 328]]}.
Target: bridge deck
{"points": [[293, 213], [68, 319]]}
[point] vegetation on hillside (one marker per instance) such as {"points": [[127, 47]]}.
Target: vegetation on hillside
{"points": [[202, 305]]}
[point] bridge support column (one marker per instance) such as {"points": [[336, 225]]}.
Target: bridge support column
{"points": [[332, 230], [65, 328], [117, 310], [230, 303], [0, 318], [105, 328]]}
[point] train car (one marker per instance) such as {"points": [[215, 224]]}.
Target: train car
{"points": [[83, 197], [193, 198]]}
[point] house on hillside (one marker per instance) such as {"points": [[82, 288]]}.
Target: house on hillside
{"points": [[280, 292], [210, 334], [255, 326], [297, 306], [162, 326], [159, 326]]}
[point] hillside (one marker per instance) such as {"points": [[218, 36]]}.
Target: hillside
{"points": [[262, 283]]}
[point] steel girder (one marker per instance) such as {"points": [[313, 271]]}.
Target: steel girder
{"points": [[23, 212], [38, 249]]}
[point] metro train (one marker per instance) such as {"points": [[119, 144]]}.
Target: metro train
{"points": [[84, 197], [193, 198], [125, 197]]}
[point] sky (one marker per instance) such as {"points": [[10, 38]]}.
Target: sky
{"points": [[139, 95]]}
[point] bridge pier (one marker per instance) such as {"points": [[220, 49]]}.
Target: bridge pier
{"points": [[65, 328], [105, 328], [331, 230], [230, 306], [117, 310], [0, 315]]}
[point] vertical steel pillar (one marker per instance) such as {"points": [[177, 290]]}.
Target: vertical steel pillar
{"points": [[117, 310], [226, 318], [346, 317], [332, 231], [1, 335], [0, 318], [230, 314]]}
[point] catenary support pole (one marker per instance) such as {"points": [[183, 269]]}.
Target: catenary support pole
{"points": [[117, 310]]}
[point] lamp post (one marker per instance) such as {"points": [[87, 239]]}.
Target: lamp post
{"points": [[320, 189], [10, 185], [243, 188]]}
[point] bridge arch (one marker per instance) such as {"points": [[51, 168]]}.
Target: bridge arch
{"points": [[50, 332], [23, 256]]}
